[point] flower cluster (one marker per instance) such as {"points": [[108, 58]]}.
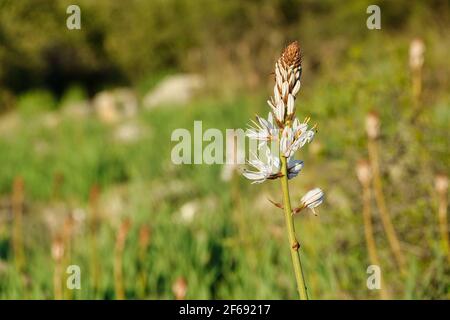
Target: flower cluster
{"points": [[282, 128]]}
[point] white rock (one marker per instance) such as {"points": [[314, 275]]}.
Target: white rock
{"points": [[113, 106], [177, 89], [128, 133]]}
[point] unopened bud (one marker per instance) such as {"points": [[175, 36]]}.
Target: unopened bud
{"points": [[57, 249], [364, 173], [416, 54], [312, 199], [441, 183], [144, 236], [372, 125], [179, 288]]}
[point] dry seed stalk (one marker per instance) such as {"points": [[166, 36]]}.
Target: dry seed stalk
{"points": [[118, 259], [372, 127], [441, 186], [58, 256], [144, 241], [67, 243], [17, 209], [92, 226], [365, 176]]}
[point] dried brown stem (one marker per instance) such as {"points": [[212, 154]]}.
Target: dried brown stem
{"points": [[381, 203]]}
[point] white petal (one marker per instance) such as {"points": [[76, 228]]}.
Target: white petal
{"points": [[277, 70], [279, 80], [270, 120], [283, 71], [252, 175], [313, 198], [276, 94], [290, 104], [284, 89], [280, 111], [296, 88], [291, 79]]}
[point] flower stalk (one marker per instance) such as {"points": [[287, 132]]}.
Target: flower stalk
{"points": [[118, 259], [280, 137], [441, 186], [94, 196], [17, 202], [294, 244], [144, 241], [373, 132], [58, 256], [365, 176]]}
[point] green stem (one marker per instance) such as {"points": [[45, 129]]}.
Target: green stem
{"points": [[293, 243]]}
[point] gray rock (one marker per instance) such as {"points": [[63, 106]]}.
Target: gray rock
{"points": [[115, 105], [176, 90]]}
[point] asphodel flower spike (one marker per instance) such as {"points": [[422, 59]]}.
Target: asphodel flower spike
{"points": [[283, 127]]}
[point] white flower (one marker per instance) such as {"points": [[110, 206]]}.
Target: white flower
{"points": [[312, 199], [295, 138], [305, 137], [286, 141], [263, 170], [264, 131]]}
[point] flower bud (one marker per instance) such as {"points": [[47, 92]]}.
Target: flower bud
{"points": [[57, 249], [372, 125], [441, 183], [416, 54], [364, 172], [179, 288], [312, 199], [144, 236]]}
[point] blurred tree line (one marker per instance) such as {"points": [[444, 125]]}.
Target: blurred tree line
{"points": [[126, 41]]}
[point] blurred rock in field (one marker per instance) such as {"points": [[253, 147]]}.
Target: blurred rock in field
{"points": [[50, 120], [169, 191], [80, 109], [54, 216], [128, 133], [9, 123], [189, 210], [41, 147], [177, 89], [5, 210], [3, 267], [114, 203], [115, 105]]}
